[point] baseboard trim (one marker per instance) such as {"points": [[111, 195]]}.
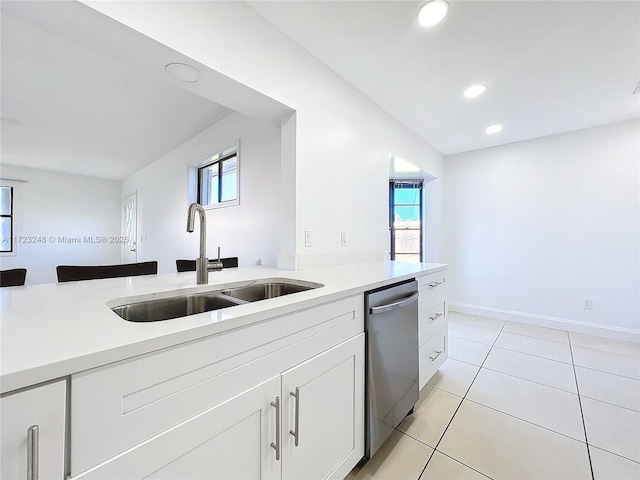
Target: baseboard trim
{"points": [[616, 333]]}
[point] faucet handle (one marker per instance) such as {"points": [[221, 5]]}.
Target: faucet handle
{"points": [[215, 265]]}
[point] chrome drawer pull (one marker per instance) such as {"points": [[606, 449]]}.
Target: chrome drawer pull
{"points": [[435, 284], [276, 446], [439, 352], [296, 431], [33, 434], [437, 315]]}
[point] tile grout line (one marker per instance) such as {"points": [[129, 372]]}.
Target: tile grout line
{"points": [[471, 341], [612, 404], [458, 461], [532, 381], [458, 408], [529, 380], [584, 426], [637, 356], [608, 373], [533, 336], [533, 354], [613, 453], [527, 421]]}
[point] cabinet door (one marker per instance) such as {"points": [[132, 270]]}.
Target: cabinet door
{"points": [[229, 441], [43, 407], [330, 412]]}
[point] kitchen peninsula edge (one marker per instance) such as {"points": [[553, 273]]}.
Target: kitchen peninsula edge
{"points": [[54, 330], [171, 398]]}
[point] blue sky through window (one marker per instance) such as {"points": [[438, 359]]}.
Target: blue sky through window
{"points": [[406, 196]]}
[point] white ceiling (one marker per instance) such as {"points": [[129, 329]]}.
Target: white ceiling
{"points": [[550, 66], [81, 112]]}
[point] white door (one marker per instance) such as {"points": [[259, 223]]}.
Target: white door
{"points": [[330, 412], [131, 229]]}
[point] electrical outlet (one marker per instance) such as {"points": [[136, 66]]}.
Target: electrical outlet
{"points": [[307, 238], [343, 239], [587, 304]]}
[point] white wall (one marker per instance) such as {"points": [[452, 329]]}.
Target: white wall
{"points": [[343, 140], [249, 231], [535, 227], [54, 205]]}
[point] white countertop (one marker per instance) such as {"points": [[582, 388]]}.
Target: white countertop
{"points": [[53, 330]]}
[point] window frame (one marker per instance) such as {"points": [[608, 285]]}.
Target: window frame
{"points": [[13, 184], [11, 218], [219, 162], [419, 184], [217, 157]]}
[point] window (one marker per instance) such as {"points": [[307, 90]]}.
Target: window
{"points": [[405, 220], [6, 219], [218, 180]]}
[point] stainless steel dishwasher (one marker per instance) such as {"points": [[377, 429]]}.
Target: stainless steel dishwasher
{"points": [[391, 323]]}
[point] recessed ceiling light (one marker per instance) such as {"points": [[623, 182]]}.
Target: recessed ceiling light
{"points": [[475, 90], [432, 13], [494, 129], [183, 72]]}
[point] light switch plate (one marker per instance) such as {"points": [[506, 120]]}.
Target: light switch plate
{"points": [[307, 238], [343, 239]]}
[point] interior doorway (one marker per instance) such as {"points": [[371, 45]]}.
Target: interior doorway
{"points": [[131, 228]]}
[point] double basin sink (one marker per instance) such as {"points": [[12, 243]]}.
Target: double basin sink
{"points": [[182, 305]]}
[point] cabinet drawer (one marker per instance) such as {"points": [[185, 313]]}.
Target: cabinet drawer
{"points": [[433, 353], [432, 285], [432, 316], [230, 440], [119, 406]]}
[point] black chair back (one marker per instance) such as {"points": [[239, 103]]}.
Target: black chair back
{"points": [[190, 265], [13, 278], [186, 265], [73, 273]]}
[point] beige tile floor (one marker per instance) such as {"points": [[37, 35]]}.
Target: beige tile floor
{"points": [[515, 402]]}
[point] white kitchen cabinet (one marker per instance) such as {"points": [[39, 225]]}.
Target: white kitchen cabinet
{"points": [[326, 396], [32, 432], [241, 438], [169, 414], [432, 324]]}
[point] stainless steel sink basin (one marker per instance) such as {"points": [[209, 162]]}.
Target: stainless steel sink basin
{"points": [[263, 291], [176, 305], [173, 307]]}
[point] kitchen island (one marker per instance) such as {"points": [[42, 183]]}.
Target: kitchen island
{"points": [[161, 399]]}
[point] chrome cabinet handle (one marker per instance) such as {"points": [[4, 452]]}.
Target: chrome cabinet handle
{"points": [[33, 434], [435, 284], [296, 431], [276, 446], [439, 352], [437, 315], [395, 305]]}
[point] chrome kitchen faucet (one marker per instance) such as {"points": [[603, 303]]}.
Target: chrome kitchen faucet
{"points": [[203, 266]]}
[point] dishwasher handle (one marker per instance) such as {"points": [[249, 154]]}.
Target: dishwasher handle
{"points": [[395, 305]]}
